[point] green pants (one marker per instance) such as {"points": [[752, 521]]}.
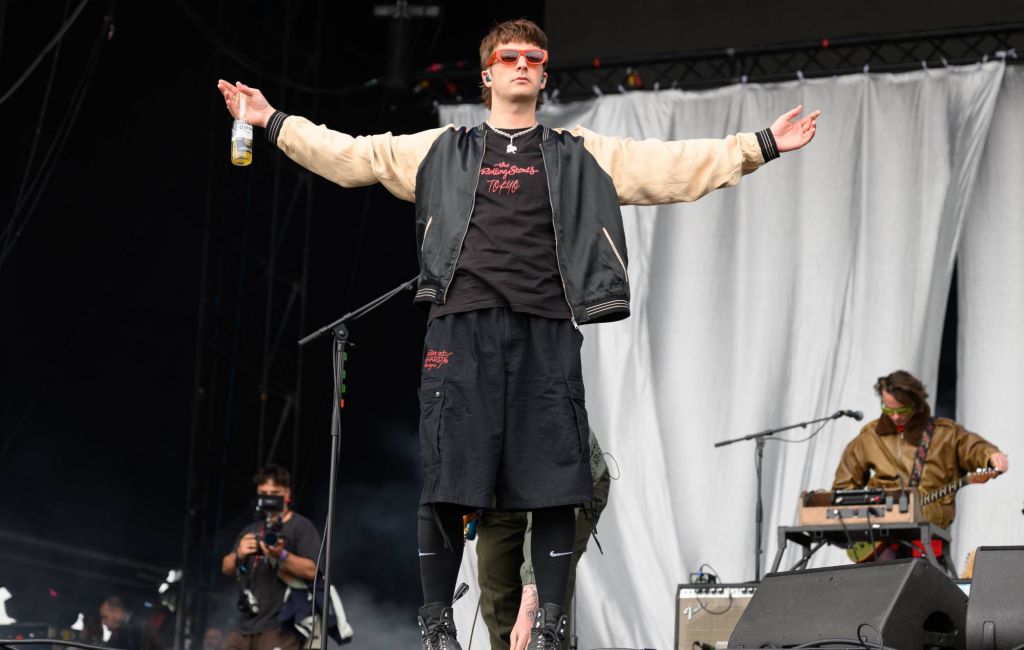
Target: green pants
{"points": [[501, 537]]}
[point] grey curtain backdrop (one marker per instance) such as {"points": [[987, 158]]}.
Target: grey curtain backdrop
{"points": [[782, 300], [991, 337]]}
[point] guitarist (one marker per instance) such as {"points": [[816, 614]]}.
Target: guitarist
{"points": [[907, 447]]}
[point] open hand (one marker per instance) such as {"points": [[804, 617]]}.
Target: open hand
{"points": [[519, 637], [258, 110], [790, 135]]}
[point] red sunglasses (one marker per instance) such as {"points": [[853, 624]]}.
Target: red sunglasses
{"points": [[510, 56]]}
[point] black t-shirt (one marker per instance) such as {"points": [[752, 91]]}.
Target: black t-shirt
{"points": [[300, 538], [508, 255]]}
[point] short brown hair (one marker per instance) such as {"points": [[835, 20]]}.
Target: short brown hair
{"points": [[520, 30], [275, 473], [905, 387]]}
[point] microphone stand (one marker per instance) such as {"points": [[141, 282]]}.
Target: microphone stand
{"points": [[340, 335], [759, 439]]}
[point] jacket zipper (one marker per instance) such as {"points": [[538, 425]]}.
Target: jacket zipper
{"points": [[425, 231], [616, 251], [899, 455], [554, 231], [472, 206]]}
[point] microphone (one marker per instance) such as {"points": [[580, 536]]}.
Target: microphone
{"points": [[856, 415]]}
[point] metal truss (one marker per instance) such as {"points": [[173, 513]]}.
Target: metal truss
{"points": [[459, 82], [247, 405]]}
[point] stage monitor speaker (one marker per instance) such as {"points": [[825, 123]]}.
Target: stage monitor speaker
{"points": [[707, 613], [995, 610], [905, 604]]}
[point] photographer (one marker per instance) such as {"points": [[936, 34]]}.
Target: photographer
{"points": [[270, 555]]}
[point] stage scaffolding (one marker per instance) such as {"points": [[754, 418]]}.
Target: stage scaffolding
{"points": [[247, 394], [460, 81]]}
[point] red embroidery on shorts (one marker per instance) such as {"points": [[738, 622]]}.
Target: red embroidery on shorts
{"points": [[436, 359]]}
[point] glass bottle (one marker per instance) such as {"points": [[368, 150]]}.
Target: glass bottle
{"points": [[241, 137]]}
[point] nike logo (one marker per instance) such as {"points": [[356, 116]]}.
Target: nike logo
{"points": [[422, 554], [553, 554]]}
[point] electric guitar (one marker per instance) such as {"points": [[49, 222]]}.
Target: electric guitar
{"points": [[968, 572], [866, 551]]}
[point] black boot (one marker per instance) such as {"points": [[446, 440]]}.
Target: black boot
{"points": [[437, 627], [549, 628]]}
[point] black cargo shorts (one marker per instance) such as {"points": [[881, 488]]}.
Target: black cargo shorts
{"points": [[503, 422]]}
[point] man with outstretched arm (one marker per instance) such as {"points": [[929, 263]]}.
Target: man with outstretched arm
{"points": [[520, 242]]}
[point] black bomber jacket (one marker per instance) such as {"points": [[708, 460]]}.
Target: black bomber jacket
{"points": [[589, 177], [589, 241]]}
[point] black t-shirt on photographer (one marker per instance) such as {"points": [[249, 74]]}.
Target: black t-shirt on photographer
{"points": [[302, 539]]}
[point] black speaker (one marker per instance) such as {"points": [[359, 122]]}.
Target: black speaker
{"points": [[995, 610], [905, 604]]}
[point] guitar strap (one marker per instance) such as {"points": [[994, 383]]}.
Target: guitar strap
{"points": [[922, 453]]}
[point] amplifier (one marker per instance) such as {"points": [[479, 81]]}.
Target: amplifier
{"points": [[707, 613]]}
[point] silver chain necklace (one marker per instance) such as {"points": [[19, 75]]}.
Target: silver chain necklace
{"points": [[511, 148]]}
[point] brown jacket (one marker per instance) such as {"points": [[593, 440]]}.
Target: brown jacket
{"points": [[879, 455]]}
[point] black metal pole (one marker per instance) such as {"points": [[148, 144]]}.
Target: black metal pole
{"points": [[340, 341], [340, 331], [759, 516], [358, 312]]}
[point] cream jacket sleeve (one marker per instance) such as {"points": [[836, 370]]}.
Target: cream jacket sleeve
{"points": [[652, 172], [391, 160]]}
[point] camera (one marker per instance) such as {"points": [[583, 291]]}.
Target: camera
{"points": [[269, 503], [271, 533], [270, 509], [270, 506], [248, 603]]}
